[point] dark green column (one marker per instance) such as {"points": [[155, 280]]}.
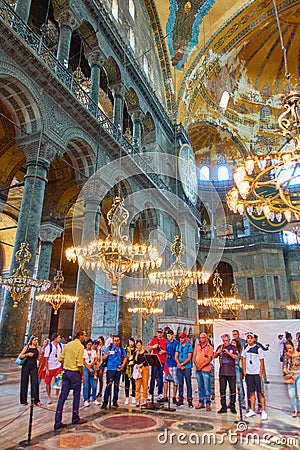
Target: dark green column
{"points": [[41, 312], [22, 8], [14, 320], [68, 22], [137, 117], [118, 93]]}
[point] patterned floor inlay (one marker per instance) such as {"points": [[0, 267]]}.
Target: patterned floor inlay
{"points": [[78, 441]]}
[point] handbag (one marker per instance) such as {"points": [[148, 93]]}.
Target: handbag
{"points": [[137, 372], [289, 378], [20, 361]]}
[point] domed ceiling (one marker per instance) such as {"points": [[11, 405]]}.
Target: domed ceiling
{"points": [[229, 45]]}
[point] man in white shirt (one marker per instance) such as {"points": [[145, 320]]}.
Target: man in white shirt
{"points": [[253, 367], [52, 365]]}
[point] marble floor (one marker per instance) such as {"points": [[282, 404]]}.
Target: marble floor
{"points": [[131, 427]]}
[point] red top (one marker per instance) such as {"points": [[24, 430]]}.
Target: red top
{"points": [[162, 343]]}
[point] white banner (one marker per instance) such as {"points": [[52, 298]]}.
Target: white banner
{"points": [[267, 331]]}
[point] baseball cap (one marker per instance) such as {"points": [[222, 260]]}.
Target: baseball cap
{"points": [[159, 330], [183, 335], [250, 334]]}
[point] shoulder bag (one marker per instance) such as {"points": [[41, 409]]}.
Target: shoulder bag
{"points": [[289, 377]]}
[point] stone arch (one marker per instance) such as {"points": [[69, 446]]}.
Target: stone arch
{"points": [[82, 157], [112, 70], [88, 35], [131, 99], [22, 101], [149, 130]]}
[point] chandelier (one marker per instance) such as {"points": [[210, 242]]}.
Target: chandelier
{"points": [[19, 283], [146, 308], [219, 303], [115, 255], [57, 298], [294, 308], [265, 184], [177, 276]]}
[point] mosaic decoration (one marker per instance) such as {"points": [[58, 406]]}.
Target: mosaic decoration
{"points": [[182, 28]]}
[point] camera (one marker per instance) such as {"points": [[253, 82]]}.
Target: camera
{"points": [[169, 356], [158, 348]]}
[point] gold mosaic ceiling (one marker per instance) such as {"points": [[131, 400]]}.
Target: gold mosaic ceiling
{"points": [[235, 47]]}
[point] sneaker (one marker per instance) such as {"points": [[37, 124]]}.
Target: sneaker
{"points": [[191, 405], [133, 400], [126, 401], [96, 403], [115, 405], [144, 404], [259, 410], [222, 411], [264, 415], [137, 404], [49, 401], [149, 397], [160, 398], [86, 403], [208, 407], [244, 407], [199, 406], [104, 406], [295, 414], [163, 400], [179, 403], [174, 400], [251, 413], [212, 397], [233, 410]]}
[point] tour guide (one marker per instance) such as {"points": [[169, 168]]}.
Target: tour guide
{"points": [[72, 359]]}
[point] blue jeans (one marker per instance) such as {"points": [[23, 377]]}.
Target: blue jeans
{"points": [[89, 385], [239, 383], [71, 379], [154, 371], [203, 380], [186, 375], [112, 376], [294, 392]]}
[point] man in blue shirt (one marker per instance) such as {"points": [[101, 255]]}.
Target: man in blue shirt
{"points": [[170, 369], [116, 358], [183, 357]]}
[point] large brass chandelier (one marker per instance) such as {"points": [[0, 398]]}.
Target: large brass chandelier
{"points": [[146, 309], [177, 276], [294, 308], [57, 298], [220, 304], [115, 255], [264, 183], [19, 283]]}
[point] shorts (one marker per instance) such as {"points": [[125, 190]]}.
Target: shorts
{"points": [[253, 383], [172, 374], [52, 373]]}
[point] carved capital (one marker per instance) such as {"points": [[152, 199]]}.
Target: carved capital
{"points": [[118, 89], [35, 148], [67, 17], [136, 114], [96, 57], [49, 232]]}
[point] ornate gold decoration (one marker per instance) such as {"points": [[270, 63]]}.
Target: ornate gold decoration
{"points": [[220, 303], [115, 255], [294, 308], [146, 308], [177, 276], [56, 298], [19, 283]]}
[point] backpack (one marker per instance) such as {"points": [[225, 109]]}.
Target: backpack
{"points": [[51, 347], [104, 363]]}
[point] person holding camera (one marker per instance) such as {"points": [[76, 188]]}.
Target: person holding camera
{"points": [[116, 358], [158, 347], [227, 355]]}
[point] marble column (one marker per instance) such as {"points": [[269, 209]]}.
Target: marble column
{"points": [[22, 8], [67, 22], [86, 278], [118, 91], [14, 320], [137, 119], [41, 312], [96, 60]]}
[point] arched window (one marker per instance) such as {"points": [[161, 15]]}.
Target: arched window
{"points": [[131, 8], [204, 174], [223, 173], [131, 38], [115, 9], [146, 65], [224, 100]]}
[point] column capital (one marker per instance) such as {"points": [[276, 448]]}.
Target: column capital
{"points": [[50, 231], [35, 148], [118, 89], [136, 114], [67, 17], [96, 57]]}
